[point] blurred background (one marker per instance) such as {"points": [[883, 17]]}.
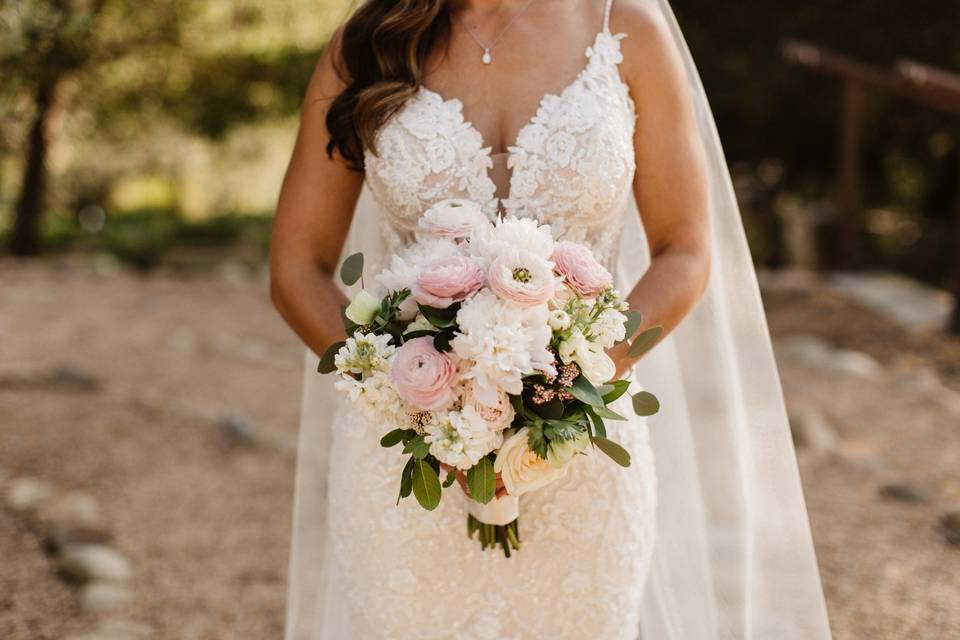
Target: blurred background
{"points": [[149, 394]]}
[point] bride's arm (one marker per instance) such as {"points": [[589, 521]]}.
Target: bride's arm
{"points": [[670, 183], [313, 216]]}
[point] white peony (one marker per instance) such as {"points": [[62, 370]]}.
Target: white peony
{"points": [[453, 219], [405, 267], [521, 469], [512, 233], [461, 438], [503, 343], [593, 361]]}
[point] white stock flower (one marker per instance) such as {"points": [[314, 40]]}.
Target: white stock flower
{"points": [[608, 328], [376, 398], [503, 343], [406, 266], [593, 361], [521, 469], [364, 353], [512, 233], [461, 438]]}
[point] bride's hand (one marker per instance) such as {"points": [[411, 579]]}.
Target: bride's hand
{"points": [[623, 362], [462, 480]]}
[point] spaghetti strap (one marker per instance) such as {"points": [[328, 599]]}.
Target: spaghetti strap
{"points": [[606, 15]]}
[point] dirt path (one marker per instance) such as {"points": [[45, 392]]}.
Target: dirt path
{"points": [[174, 401]]}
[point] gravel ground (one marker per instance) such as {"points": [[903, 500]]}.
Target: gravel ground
{"points": [[173, 399]]}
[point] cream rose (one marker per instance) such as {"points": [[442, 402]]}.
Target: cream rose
{"points": [[521, 469], [362, 308], [562, 451]]}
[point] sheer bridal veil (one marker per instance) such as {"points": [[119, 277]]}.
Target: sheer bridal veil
{"points": [[734, 558]]}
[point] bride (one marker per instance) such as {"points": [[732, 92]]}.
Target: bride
{"points": [[586, 115]]}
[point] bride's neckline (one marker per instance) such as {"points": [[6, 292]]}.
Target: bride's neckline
{"points": [[590, 54]]}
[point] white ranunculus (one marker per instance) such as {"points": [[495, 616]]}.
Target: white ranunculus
{"points": [[562, 451], [453, 219], [362, 308], [521, 469]]}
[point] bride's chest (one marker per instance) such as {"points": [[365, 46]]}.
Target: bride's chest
{"points": [[571, 165]]}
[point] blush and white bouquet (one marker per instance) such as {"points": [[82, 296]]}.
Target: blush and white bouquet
{"points": [[484, 352]]}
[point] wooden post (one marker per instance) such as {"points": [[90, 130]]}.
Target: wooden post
{"points": [[954, 326], [847, 254]]}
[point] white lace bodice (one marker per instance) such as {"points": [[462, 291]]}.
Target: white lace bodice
{"points": [[572, 164]]}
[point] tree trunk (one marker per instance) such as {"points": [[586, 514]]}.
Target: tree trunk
{"points": [[25, 239]]}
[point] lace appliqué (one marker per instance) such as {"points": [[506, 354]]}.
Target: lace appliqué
{"points": [[572, 164]]}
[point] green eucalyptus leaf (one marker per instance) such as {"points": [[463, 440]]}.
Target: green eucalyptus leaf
{"points": [[600, 429], [327, 364], [617, 389], [482, 481], [645, 403], [440, 318], [645, 341], [395, 437], [634, 320], [352, 269], [406, 480], [426, 485], [616, 453], [604, 412], [584, 391], [416, 447], [552, 410], [451, 478]]}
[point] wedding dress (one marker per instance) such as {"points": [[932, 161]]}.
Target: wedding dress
{"points": [[673, 547]]}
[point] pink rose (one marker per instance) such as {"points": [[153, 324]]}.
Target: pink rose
{"points": [[424, 377], [522, 277], [447, 280], [584, 274], [498, 416]]}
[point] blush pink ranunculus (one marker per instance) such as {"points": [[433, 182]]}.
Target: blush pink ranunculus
{"points": [[447, 280], [522, 277], [424, 377], [584, 274]]}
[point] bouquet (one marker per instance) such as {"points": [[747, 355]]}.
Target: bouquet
{"points": [[484, 352]]}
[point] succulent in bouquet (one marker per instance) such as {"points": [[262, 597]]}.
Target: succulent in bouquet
{"points": [[485, 356]]}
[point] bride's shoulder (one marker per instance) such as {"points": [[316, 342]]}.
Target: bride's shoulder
{"points": [[649, 51]]}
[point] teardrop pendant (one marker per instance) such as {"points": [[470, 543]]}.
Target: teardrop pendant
{"points": [[486, 57]]}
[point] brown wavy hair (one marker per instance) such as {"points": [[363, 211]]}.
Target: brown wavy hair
{"points": [[382, 52]]}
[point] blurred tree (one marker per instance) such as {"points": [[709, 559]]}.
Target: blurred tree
{"points": [[44, 43]]}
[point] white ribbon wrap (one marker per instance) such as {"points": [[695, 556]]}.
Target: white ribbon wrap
{"points": [[499, 511]]}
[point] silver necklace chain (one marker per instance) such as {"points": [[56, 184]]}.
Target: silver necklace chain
{"points": [[486, 58]]}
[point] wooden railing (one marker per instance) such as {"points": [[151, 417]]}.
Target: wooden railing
{"points": [[913, 81]]}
